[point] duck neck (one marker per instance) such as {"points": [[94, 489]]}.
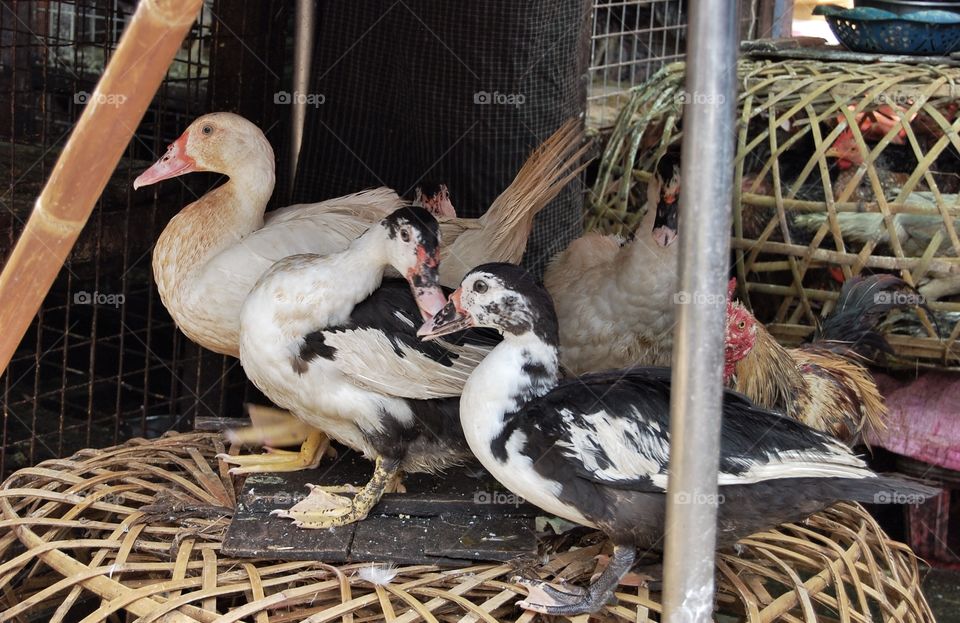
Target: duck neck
{"points": [[520, 369], [650, 216], [305, 293], [331, 286], [249, 188], [362, 265], [219, 219], [646, 271]]}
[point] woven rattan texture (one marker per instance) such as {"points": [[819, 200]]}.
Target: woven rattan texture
{"points": [[136, 529], [789, 231]]}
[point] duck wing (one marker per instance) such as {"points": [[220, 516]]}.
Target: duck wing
{"points": [[378, 349], [613, 428]]}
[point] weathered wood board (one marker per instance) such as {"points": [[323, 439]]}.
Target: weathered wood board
{"points": [[461, 516]]}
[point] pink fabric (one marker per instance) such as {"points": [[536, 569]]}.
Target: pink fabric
{"points": [[924, 420]]}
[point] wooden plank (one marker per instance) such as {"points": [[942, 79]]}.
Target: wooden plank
{"points": [[463, 515], [444, 540], [485, 537], [260, 535], [460, 490]]}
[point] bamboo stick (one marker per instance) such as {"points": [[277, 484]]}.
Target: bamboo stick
{"points": [[803, 205], [826, 295], [110, 118], [943, 266]]}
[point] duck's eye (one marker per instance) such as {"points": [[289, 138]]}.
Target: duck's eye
{"points": [[207, 129], [742, 324], [405, 235], [480, 286]]}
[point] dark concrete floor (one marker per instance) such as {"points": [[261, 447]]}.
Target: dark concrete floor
{"points": [[942, 589]]}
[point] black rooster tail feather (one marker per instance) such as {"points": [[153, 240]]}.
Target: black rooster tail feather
{"points": [[851, 327]]}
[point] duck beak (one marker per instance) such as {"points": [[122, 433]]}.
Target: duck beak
{"points": [[424, 281], [450, 319], [175, 162], [665, 223]]}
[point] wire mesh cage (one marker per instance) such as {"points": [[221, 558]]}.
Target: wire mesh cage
{"points": [[103, 361], [632, 39]]}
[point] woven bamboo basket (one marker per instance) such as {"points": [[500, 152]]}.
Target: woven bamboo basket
{"points": [[793, 236], [134, 532]]}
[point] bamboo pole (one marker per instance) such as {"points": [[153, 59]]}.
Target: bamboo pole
{"points": [[826, 295], [110, 118], [941, 266], [948, 205]]}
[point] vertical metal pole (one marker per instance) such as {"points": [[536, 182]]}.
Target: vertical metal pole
{"points": [[302, 55], [706, 195], [782, 26]]}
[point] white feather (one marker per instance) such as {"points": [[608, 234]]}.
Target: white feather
{"points": [[369, 359], [205, 294], [799, 464], [380, 575], [486, 398]]}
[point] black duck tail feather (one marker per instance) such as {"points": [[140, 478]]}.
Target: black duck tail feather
{"points": [[852, 326], [886, 489]]}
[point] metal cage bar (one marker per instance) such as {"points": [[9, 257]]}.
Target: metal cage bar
{"points": [[709, 120]]}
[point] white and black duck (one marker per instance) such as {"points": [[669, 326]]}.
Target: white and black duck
{"points": [[594, 449], [328, 339]]}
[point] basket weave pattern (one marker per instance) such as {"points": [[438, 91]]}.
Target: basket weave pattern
{"points": [[136, 530], [810, 99]]}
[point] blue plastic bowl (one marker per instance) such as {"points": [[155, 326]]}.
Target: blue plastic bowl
{"points": [[866, 29], [901, 7]]}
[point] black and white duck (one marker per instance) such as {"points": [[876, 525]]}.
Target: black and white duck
{"points": [[327, 338], [594, 450]]}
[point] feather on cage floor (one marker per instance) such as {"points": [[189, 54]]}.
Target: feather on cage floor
{"points": [[135, 531]]}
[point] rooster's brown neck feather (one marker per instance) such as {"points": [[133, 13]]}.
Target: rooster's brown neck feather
{"points": [[768, 374]]}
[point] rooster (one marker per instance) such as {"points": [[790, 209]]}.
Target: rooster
{"points": [[896, 163], [823, 383]]}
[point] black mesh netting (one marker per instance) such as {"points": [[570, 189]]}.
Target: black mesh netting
{"points": [[439, 91]]}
